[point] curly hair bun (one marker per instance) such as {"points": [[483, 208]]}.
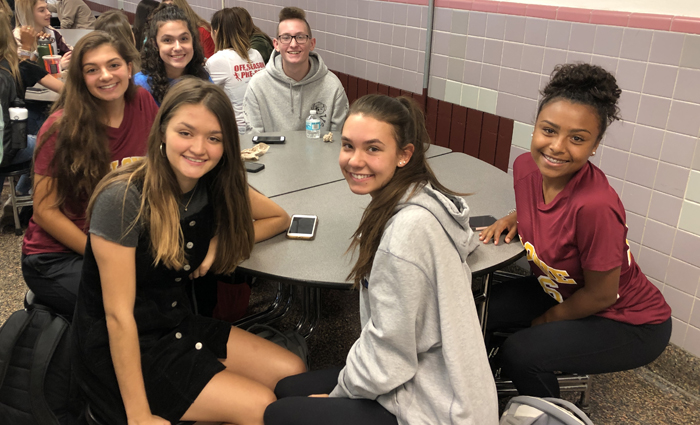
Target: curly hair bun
{"points": [[292, 13], [585, 84]]}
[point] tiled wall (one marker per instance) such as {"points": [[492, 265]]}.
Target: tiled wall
{"points": [[652, 159], [495, 58]]}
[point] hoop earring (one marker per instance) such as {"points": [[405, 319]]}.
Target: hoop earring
{"points": [[161, 149]]}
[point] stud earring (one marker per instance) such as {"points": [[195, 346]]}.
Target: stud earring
{"points": [[532, 134], [593, 154], [162, 153]]}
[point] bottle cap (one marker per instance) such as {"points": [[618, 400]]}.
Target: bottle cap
{"points": [[313, 112], [18, 114]]}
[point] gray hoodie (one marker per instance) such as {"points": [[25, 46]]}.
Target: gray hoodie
{"points": [[275, 102], [421, 353]]}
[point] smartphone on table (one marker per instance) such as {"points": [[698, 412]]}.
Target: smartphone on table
{"points": [[481, 222], [302, 227], [270, 140], [254, 167]]}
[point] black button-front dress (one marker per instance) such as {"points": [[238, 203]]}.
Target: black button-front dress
{"points": [[179, 350]]}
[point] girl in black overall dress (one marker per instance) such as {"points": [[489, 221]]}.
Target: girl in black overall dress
{"points": [[141, 355]]}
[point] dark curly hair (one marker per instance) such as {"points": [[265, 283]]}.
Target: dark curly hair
{"points": [[588, 85], [152, 65]]}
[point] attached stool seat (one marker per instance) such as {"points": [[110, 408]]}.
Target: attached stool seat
{"points": [[18, 201]]}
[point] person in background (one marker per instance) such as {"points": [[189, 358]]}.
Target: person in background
{"points": [[73, 14], [15, 76], [203, 27], [143, 12], [9, 11], [140, 353], [294, 82], [420, 358], [172, 35], [258, 39], [235, 62], [100, 122], [587, 308], [34, 17], [115, 23]]}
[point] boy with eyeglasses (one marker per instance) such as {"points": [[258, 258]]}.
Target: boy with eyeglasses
{"points": [[294, 82]]}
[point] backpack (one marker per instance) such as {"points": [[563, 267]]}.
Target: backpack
{"points": [[526, 410], [35, 369], [291, 340]]}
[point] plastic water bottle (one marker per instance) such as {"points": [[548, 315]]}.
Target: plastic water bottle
{"points": [[18, 121], [313, 126]]}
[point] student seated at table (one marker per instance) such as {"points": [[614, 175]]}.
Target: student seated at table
{"points": [[143, 12], [100, 122], [15, 76], [34, 16], [420, 358], [258, 39], [115, 23], [73, 14], [172, 50], [294, 82], [235, 62], [140, 354], [203, 27], [587, 308]]}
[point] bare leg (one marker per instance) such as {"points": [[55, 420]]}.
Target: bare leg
{"points": [[259, 359], [240, 394], [231, 399]]}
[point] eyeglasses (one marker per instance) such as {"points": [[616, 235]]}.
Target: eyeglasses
{"points": [[300, 38]]}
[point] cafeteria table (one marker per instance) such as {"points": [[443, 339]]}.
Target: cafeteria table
{"points": [[301, 163], [322, 262]]}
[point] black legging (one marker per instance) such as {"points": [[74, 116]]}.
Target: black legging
{"points": [[590, 345], [294, 407]]}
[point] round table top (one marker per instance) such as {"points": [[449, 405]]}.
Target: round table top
{"points": [[301, 163], [322, 262]]}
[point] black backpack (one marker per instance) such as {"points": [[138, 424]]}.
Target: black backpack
{"points": [[36, 387]]}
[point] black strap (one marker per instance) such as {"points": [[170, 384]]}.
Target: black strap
{"points": [[9, 334], [43, 351]]}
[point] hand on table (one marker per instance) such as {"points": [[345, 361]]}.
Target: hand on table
{"points": [[509, 223]]}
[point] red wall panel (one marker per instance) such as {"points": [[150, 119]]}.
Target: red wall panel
{"points": [[457, 128], [505, 137], [431, 117], [489, 138], [442, 132], [472, 135]]}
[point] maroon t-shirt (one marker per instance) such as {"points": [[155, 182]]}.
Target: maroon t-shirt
{"points": [[583, 227], [126, 143]]}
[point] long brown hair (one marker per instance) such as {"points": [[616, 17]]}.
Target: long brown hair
{"points": [[247, 22], [226, 184], [8, 47], [192, 15], [82, 154], [117, 24], [408, 123], [229, 33]]}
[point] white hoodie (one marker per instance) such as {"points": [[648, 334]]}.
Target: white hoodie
{"points": [[275, 102], [421, 353]]}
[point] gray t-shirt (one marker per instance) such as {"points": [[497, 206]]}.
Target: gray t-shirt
{"points": [[117, 206]]}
